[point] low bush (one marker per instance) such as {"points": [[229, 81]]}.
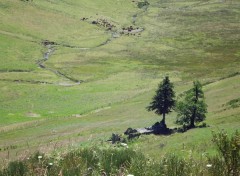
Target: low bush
{"points": [[121, 161], [142, 4], [228, 160]]}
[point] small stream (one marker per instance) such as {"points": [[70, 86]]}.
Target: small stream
{"points": [[50, 48], [46, 57]]}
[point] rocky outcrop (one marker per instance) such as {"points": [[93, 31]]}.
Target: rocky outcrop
{"points": [[157, 128]]}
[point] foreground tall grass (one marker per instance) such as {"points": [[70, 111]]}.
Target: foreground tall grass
{"points": [[120, 161]]}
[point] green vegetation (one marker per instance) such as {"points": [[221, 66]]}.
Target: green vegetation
{"points": [[193, 108], [234, 103], [142, 4], [228, 162], [92, 81], [163, 102], [117, 160]]}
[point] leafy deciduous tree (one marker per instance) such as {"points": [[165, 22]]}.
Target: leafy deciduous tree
{"points": [[193, 108]]}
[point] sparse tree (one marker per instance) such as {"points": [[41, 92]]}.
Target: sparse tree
{"points": [[163, 102], [193, 108]]}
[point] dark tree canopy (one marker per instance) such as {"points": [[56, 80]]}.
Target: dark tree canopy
{"points": [[163, 102], [193, 108]]}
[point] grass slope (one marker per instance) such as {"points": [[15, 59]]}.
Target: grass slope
{"points": [[187, 40]]}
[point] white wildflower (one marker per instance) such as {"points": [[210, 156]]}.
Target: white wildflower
{"points": [[40, 157], [209, 165]]}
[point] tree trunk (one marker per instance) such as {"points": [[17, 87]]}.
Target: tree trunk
{"points": [[163, 120], [192, 125], [192, 120]]}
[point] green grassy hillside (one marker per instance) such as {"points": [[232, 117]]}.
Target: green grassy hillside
{"points": [[66, 80]]}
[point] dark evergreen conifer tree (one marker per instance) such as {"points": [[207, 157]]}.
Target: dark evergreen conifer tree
{"points": [[163, 102]]}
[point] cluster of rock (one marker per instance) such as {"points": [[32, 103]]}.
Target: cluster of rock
{"points": [[47, 42], [131, 30], [157, 128], [130, 133], [84, 18], [100, 22], [104, 23]]}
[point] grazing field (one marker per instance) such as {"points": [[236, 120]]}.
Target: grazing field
{"points": [[74, 72]]}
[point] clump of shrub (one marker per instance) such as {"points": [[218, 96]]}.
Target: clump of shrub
{"points": [[116, 138], [119, 161], [202, 125], [15, 168], [85, 161], [228, 160], [235, 103], [142, 4]]}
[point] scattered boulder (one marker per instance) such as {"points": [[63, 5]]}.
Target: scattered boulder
{"points": [[84, 18], [133, 133], [104, 23], [157, 128], [160, 128], [131, 30], [130, 131], [47, 42], [124, 145], [144, 131]]}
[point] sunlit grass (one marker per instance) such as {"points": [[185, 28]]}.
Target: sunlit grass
{"points": [[185, 40]]}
